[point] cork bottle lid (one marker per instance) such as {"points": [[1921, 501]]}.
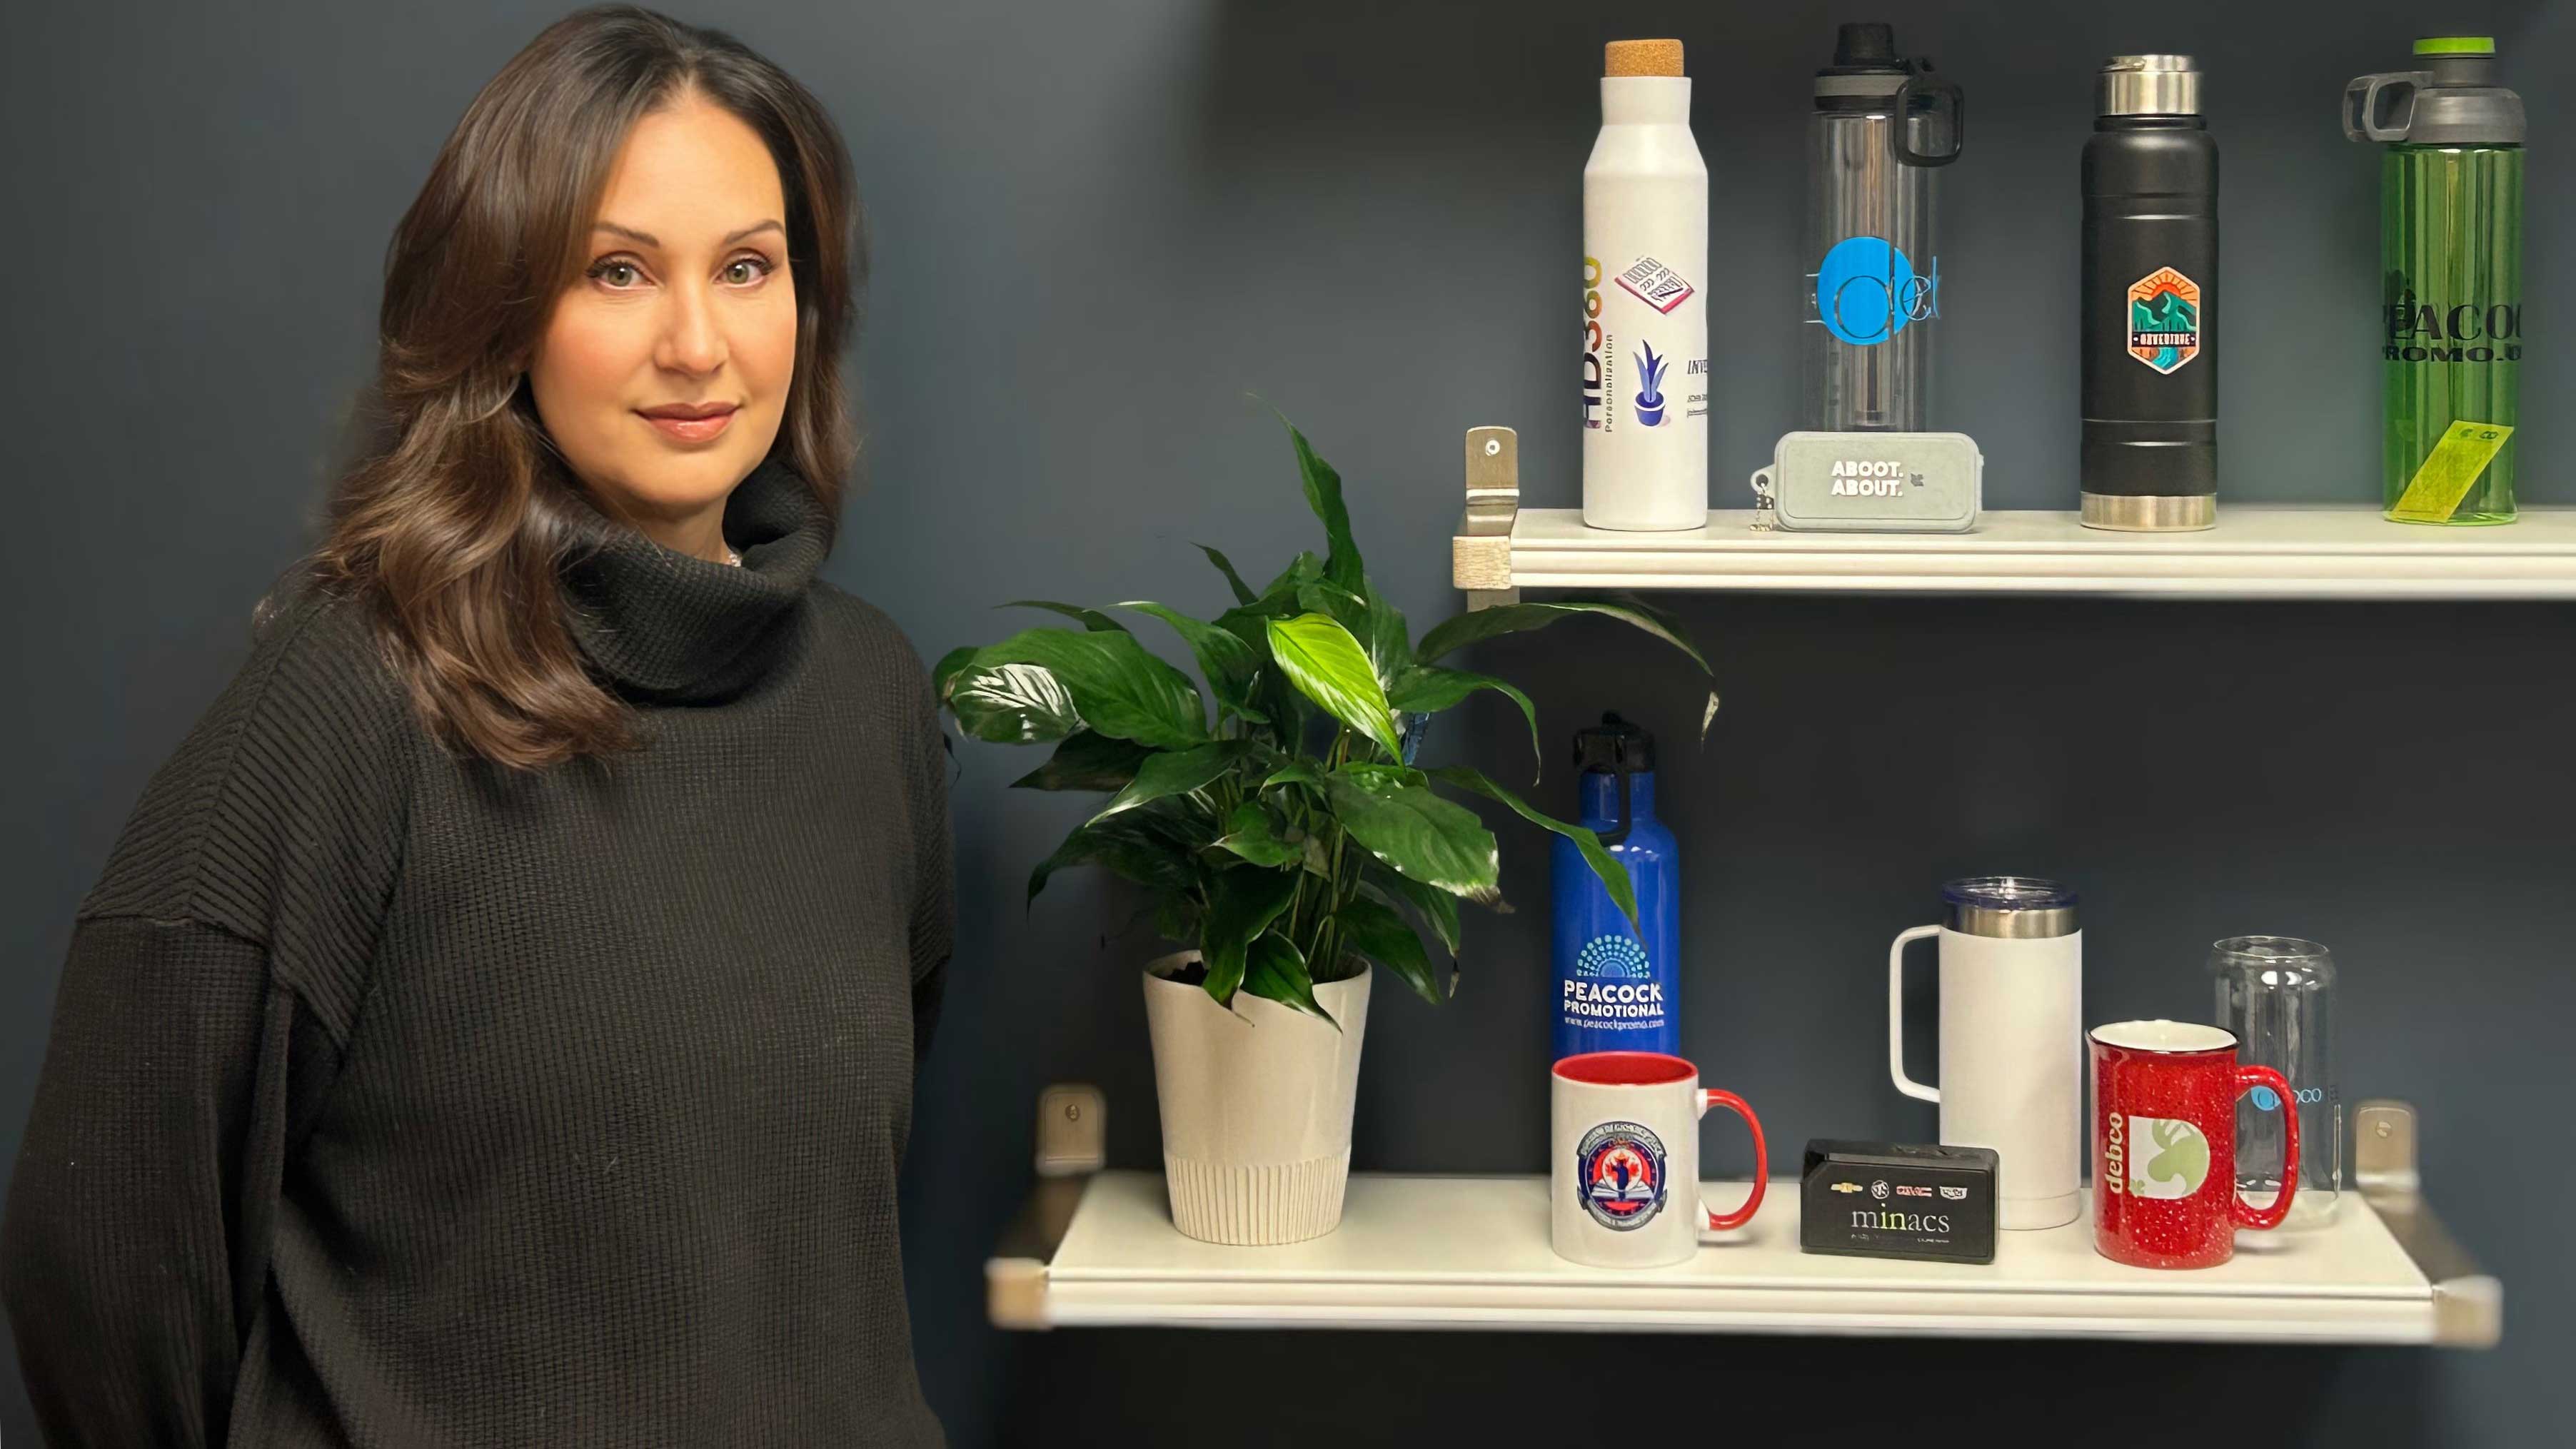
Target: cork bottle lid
{"points": [[1642, 57]]}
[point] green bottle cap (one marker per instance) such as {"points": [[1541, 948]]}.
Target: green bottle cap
{"points": [[2456, 45]]}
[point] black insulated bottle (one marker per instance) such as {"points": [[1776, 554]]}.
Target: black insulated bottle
{"points": [[2150, 302]]}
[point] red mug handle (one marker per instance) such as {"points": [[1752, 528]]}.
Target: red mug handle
{"points": [[1720, 1222], [2245, 1216]]}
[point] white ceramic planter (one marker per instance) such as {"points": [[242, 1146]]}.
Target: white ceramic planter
{"points": [[1256, 1107]]}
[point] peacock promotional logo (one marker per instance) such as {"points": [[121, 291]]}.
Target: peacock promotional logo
{"points": [[2168, 1157], [1619, 1172], [2164, 319], [1612, 958]]}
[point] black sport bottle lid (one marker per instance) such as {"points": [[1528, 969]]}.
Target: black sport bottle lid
{"points": [[1613, 746]]}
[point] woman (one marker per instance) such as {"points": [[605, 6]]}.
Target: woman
{"points": [[496, 1024]]}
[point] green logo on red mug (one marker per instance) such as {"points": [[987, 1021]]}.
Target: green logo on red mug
{"points": [[2168, 1157]]}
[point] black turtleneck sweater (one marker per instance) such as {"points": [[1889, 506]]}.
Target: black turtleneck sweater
{"points": [[401, 1099]]}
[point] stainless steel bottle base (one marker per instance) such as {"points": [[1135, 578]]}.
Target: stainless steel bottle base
{"points": [[2152, 513]]}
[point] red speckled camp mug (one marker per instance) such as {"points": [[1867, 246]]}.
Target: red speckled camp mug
{"points": [[2164, 1144]]}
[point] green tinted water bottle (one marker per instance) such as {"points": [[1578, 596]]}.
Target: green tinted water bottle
{"points": [[2450, 205]]}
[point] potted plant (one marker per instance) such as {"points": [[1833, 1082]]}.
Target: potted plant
{"points": [[1290, 843]]}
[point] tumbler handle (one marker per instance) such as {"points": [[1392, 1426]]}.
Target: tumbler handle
{"points": [[1720, 1222], [2245, 1216], [1896, 1014]]}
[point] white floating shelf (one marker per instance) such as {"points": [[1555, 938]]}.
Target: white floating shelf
{"points": [[1472, 1252], [2257, 551], [1450, 1252]]}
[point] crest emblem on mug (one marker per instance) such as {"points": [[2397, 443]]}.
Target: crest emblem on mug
{"points": [[2168, 1157], [1619, 1171]]}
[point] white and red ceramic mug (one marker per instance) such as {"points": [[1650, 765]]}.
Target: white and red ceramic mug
{"points": [[1624, 1148]]}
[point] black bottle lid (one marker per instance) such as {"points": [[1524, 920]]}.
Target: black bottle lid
{"points": [[1864, 48], [1613, 746]]}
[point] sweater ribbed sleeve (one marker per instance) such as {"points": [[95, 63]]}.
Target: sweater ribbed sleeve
{"points": [[127, 1234], [212, 975]]}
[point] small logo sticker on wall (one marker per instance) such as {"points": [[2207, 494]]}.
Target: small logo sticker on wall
{"points": [[1656, 285], [1619, 1170], [2164, 319]]}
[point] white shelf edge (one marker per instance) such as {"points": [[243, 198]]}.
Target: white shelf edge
{"points": [[2320, 551], [1119, 1263]]}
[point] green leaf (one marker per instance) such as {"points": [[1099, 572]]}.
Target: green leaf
{"points": [[1428, 688], [1328, 666], [1324, 495], [1614, 876], [1086, 761], [1418, 833], [1176, 918], [1302, 570], [1232, 666], [1438, 907], [1117, 688], [1242, 591], [1274, 968], [1298, 771], [1382, 936], [945, 671], [1377, 624], [1478, 624], [1092, 619], [1012, 703], [1253, 835], [1177, 773], [1151, 852], [1241, 905], [1381, 777]]}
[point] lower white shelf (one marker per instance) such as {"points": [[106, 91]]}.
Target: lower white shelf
{"points": [[1472, 1252]]}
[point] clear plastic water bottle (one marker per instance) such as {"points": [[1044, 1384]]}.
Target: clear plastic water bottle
{"points": [[2450, 236], [1882, 128]]}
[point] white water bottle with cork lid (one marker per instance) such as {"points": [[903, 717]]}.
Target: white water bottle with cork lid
{"points": [[1645, 322]]}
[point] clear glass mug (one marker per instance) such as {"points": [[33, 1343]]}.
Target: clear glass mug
{"points": [[2277, 994]]}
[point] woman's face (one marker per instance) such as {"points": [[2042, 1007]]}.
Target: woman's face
{"points": [[686, 304]]}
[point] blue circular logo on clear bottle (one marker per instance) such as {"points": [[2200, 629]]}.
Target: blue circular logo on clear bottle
{"points": [[2265, 1099], [1867, 291]]}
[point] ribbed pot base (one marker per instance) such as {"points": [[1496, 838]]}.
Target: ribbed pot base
{"points": [[1285, 1202]]}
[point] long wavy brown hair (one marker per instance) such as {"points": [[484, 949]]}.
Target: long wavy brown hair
{"points": [[458, 514]]}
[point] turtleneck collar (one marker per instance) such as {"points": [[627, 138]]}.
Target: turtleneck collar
{"points": [[665, 626]]}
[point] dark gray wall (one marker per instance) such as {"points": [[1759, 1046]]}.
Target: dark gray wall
{"points": [[1097, 226]]}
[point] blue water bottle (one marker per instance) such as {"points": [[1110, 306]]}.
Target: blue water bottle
{"points": [[1615, 991]]}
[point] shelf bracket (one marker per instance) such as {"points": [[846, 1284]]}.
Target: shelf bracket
{"points": [[2468, 1305], [1480, 555], [1072, 1145]]}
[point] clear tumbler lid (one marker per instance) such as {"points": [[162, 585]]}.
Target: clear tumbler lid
{"points": [[2018, 906], [2274, 961]]}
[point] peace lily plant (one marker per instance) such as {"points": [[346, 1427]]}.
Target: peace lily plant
{"points": [[1290, 841]]}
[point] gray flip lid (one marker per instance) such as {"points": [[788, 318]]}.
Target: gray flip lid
{"points": [[2455, 100]]}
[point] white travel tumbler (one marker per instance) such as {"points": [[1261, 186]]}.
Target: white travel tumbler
{"points": [[1645, 322], [2012, 1038]]}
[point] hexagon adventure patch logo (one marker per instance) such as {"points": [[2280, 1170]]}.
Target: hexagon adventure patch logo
{"points": [[2164, 319], [1619, 1170]]}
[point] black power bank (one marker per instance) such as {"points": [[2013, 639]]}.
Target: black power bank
{"points": [[1889, 1200]]}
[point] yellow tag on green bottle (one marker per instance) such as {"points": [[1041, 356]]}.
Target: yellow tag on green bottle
{"points": [[2449, 471]]}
